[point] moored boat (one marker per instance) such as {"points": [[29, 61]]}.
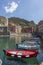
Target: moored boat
{"points": [[21, 53], [28, 45]]}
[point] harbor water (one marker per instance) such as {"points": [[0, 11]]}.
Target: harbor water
{"points": [[10, 43]]}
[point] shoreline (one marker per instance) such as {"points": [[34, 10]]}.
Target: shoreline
{"points": [[22, 34], [4, 35]]}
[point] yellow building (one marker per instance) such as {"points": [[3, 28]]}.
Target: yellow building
{"points": [[3, 25], [3, 21], [18, 29]]}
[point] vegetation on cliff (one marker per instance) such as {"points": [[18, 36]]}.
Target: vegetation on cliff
{"points": [[21, 22]]}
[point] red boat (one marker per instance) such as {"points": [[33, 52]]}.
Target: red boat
{"points": [[21, 53]]}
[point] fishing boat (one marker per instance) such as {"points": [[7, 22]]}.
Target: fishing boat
{"points": [[29, 45], [21, 53]]}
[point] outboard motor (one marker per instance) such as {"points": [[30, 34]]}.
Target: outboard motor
{"points": [[4, 50]]}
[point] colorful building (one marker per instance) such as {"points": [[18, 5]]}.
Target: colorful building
{"points": [[18, 29], [11, 27], [40, 29], [27, 30], [3, 21], [14, 28], [3, 25], [40, 26]]}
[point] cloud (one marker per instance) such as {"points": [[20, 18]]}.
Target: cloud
{"points": [[11, 7]]}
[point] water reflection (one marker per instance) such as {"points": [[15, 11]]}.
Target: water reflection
{"points": [[18, 39]]}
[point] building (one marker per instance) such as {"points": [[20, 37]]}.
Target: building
{"points": [[27, 30], [18, 29], [40, 26], [3, 21], [11, 27], [3, 26], [40, 29], [14, 28]]}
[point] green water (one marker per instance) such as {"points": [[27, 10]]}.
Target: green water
{"points": [[10, 43]]}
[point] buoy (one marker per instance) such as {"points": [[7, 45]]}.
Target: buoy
{"points": [[0, 62]]}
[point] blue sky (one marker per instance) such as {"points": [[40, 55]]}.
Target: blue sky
{"points": [[26, 9]]}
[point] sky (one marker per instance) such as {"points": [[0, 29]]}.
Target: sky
{"points": [[25, 9]]}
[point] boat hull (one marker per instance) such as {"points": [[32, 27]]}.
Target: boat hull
{"points": [[21, 53], [28, 46]]}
